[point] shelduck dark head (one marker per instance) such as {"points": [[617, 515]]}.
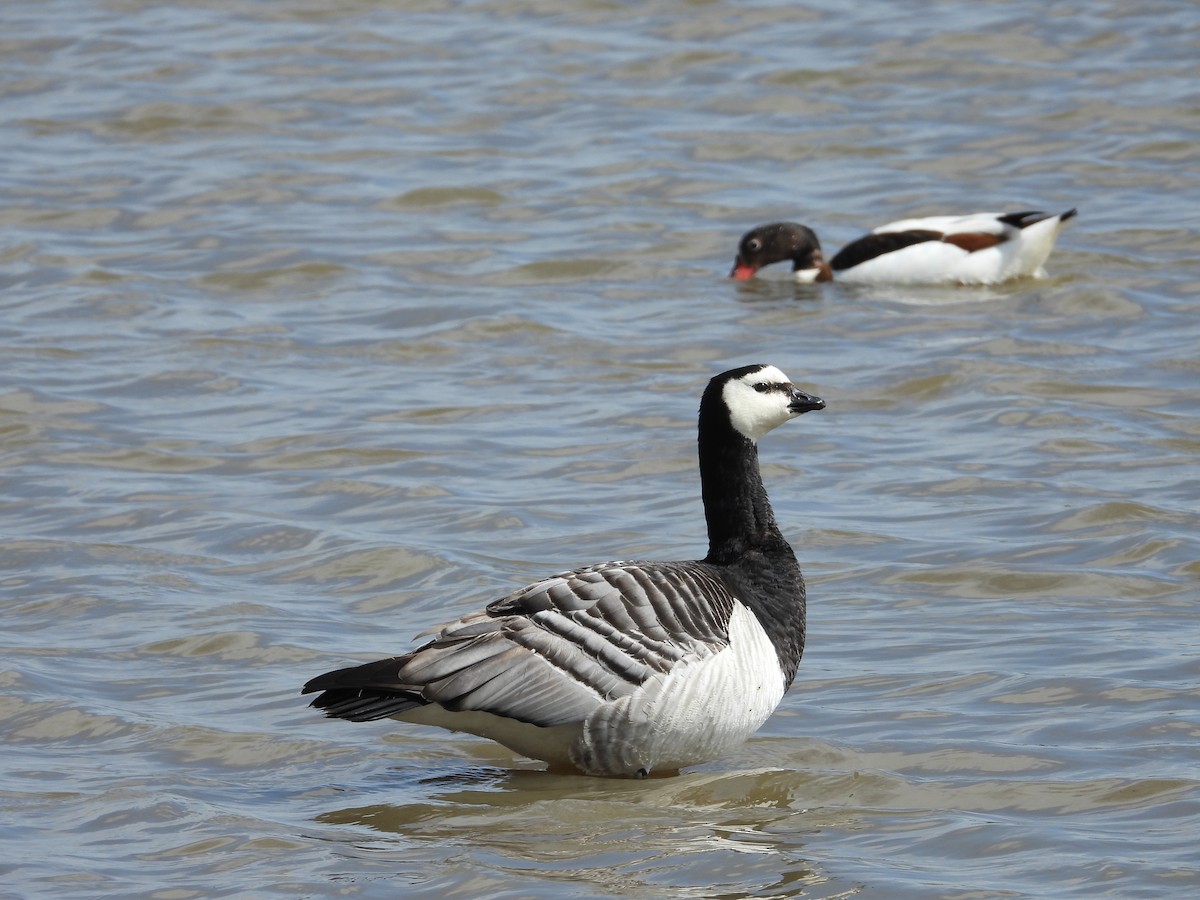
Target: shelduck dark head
{"points": [[777, 242]]}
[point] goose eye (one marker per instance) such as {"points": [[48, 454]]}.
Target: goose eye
{"points": [[762, 387]]}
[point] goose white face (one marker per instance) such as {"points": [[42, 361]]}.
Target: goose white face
{"points": [[759, 401]]}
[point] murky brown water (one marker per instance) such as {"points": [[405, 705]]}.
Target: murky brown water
{"points": [[323, 323]]}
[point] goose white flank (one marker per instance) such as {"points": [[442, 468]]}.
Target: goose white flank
{"points": [[980, 248], [626, 668]]}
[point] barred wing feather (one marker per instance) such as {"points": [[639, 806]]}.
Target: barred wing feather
{"points": [[551, 652]]}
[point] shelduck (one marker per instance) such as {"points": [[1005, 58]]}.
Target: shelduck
{"points": [[981, 248], [625, 668]]}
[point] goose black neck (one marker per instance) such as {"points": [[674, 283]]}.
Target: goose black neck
{"points": [[736, 507]]}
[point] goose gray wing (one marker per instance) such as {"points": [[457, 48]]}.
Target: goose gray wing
{"points": [[550, 653]]}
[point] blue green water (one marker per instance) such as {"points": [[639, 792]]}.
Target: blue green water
{"points": [[323, 324]]}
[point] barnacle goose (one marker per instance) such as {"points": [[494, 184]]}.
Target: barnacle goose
{"points": [[625, 668], [981, 248]]}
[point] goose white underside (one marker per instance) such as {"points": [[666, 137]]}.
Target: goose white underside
{"points": [[702, 708]]}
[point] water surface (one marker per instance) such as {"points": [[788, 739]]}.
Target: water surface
{"points": [[326, 323]]}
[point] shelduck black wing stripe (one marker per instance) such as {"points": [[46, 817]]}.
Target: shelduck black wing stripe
{"points": [[1025, 218], [550, 653], [874, 245]]}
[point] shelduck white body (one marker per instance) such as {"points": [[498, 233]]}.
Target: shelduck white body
{"points": [[980, 248], [626, 668]]}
